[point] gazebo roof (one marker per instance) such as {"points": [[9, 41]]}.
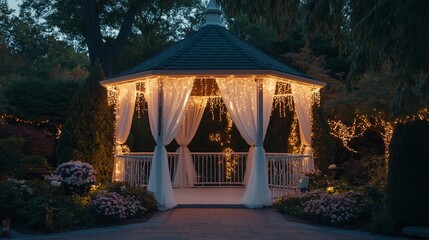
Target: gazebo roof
{"points": [[212, 51]]}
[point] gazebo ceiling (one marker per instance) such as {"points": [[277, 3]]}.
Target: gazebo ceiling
{"points": [[212, 52]]}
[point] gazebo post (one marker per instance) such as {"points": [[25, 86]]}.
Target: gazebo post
{"points": [[260, 110], [159, 136], [263, 184], [257, 190]]}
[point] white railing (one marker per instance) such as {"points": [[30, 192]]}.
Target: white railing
{"points": [[221, 169], [284, 172], [218, 168], [137, 167]]}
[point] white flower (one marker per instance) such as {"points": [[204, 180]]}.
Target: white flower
{"points": [[55, 184]]}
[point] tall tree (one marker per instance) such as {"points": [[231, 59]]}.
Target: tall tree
{"points": [[375, 33], [105, 26]]}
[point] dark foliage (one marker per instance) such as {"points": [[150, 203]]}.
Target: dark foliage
{"points": [[13, 196], [88, 132], [67, 212], [35, 141], [407, 184], [41, 100], [14, 163], [323, 145]]}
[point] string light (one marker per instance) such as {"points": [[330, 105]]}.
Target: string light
{"points": [[141, 103], [377, 122], [230, 162], [207, 87], [346, 133], [112, 95], [6, 118], [293, 139]]}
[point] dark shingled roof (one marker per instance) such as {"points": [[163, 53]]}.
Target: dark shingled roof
{"points": [[213, 47]]}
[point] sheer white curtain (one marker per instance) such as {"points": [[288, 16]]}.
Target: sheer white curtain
{"points": [[240, 96], [185, 175], [302, 97], [125, 105], [167, 99]]}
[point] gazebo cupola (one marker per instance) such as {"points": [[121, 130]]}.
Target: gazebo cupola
{"points": [[213, 14], [176, 85]]}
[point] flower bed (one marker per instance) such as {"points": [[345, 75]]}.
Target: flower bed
{"points": [[42, 206], [322, 207], [113, 207]]}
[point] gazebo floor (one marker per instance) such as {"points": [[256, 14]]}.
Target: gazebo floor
{"points": [[209, 196]]}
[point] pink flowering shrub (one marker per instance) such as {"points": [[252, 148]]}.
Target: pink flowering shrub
{"points": [[113, 207], [332, 208], [75, 174], [320, 206]]}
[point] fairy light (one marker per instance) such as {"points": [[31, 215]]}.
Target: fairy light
{"points": [[346, 133], [141, 103], [214, 137], [216, 103], [315, 101], [112, 95], [6, 119], [293, 139], [230, 163], [377, 122], [207, 87]]}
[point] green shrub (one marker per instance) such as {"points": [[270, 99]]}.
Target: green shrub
{"points": [[11, 157], [289, 205], [87, 134], [14, 194], [14, 163], [68, 211], [41, 100], [407, 184]]}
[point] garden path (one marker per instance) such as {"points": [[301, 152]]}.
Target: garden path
{"points": [[212, 223]]}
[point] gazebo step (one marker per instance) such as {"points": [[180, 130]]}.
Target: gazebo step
{"points": [[210, 206]]}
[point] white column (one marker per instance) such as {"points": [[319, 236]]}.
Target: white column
{"points": [[159, 136], [257, 190]]}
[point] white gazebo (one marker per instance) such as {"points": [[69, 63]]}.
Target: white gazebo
{"points": [[178, 83]]}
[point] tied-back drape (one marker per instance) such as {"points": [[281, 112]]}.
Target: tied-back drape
{"points": [[167, 99], [240, 96], [185, 174], [302, 97], [125, 105]]}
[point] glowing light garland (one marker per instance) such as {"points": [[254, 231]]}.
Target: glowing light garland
{"points": [[231, 162], [293, 139], [207, 87], [377, 122], [346, 133], [5, 117]]}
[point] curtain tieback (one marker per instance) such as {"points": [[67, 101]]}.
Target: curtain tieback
{"points": [[258, 145], [160, 145], [183, 145]]}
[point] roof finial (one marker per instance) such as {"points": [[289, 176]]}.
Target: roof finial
{"points": [[213, 14]]}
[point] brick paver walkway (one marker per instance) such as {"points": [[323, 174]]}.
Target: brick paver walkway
{"points": [[213, 223]]}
